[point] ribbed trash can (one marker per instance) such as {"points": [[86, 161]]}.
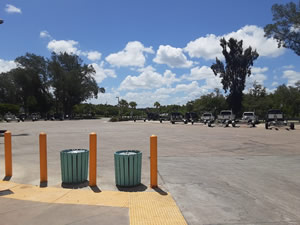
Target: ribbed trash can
{"points": [[74, 165], [128, 166]]}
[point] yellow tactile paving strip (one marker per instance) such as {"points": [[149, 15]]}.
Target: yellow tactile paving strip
{"points": [[144, 207], [147, 208]]}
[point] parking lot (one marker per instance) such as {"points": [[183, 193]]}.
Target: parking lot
{"points": [[216, 175]]}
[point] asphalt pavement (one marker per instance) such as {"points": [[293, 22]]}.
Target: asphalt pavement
{"points": [[224, 176]]}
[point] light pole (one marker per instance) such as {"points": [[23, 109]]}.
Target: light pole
{"points": [[118, 105]]}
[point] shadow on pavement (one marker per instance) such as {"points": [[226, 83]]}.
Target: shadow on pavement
{"points": [[160, 191], [96, 189], [138, 188], [6, 192], [17, 135], [43, 184], [7, 178], [75, 186]]}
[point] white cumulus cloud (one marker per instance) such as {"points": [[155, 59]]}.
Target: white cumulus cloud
{"points": [[94, 55], [148, 79], [204, 73], [6, 66], [62, 46], [291, 76], [208, 47], [12, 9], [179, 94], [131, 55], [257, 75], [69, 46], [173, 57], [102, 73], [45, 34]]}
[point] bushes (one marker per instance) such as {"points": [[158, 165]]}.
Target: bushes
{"points": [[5, 108]]}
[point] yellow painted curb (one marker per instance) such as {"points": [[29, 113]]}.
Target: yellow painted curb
{"points": [[144, 207]]}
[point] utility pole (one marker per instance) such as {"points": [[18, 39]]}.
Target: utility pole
{"points": [[118, 105]]}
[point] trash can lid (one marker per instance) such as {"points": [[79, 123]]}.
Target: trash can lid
{"points": [[127, 152], [74, 151]]}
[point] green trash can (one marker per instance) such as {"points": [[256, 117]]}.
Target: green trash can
{"points": [[128, 166], [74, 165]]}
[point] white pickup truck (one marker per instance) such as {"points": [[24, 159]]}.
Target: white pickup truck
{"points": [[207, 117], [249, 117], [226, 117]]}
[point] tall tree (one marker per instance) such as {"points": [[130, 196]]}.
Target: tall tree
{"points": [[156, 105], [30, 83], [132, 105], [286, 26], [238, 67], [8, 89], [73, 82]]}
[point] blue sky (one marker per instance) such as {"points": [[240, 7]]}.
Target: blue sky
{"points": [[147, 51]]}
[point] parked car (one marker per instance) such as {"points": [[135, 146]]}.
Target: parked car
{"points": [[207, 117], [227, 117], [8, 117], [191, 117], [275, 118], [164, 117], [176, 117], [249, 118], [34, 117]]}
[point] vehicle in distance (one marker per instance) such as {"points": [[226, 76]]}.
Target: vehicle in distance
{"points": [[275, 118], [176, 117], [226, 117], [8, 117], [249, 117], [190, 117], [207, 117]]}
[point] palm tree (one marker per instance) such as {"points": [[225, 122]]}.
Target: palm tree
{"points": [[132, 105], [156, 105]]}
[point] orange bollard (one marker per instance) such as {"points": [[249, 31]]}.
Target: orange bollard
{"points": [[153, 161], [43, 158], [8, 155], [93, 160]]}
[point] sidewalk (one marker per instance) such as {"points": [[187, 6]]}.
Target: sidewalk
{"points": [[28, 204]]}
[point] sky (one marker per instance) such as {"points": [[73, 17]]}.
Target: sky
{"points": [[147, 51]]}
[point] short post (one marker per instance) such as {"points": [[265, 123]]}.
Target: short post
{"points": [[43, 158], [153, 161], [93, 160], [8, 154]]}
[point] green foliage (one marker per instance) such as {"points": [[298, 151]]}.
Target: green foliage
{"points": [[257, 101], [214, 102], [114, 119], [5, 108], [8, 89], [238, 67], [73, 82], [287, 99], [156, 105], [132, 105], [286, 26], [28, 84]]}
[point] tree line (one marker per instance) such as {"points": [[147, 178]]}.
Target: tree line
{"points": [[257, 99], [45, 86]]}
